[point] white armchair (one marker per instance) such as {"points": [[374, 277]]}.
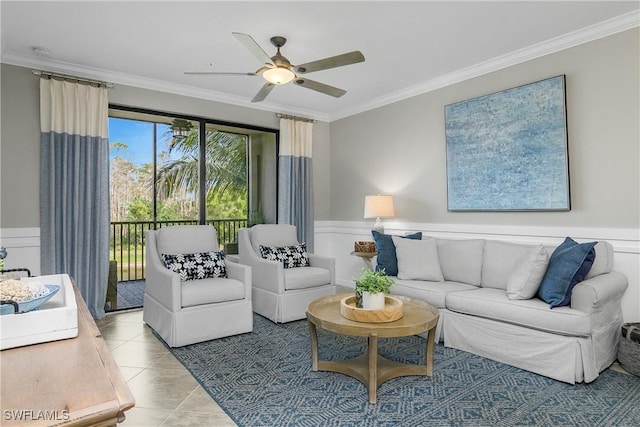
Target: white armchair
{"points": [[283, 294], [191, 311]]}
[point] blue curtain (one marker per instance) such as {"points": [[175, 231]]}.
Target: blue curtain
{"points": [[295, 181], [74, 186]]}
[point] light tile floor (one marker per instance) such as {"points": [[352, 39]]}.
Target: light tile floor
{"points": [[166, 394]]}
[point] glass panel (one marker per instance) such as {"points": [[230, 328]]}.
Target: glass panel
{"points": [[226, 183], [131, 203], [263, 179], [177, 175]]}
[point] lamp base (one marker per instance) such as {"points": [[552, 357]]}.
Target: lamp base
{"points": [[378, 226]]}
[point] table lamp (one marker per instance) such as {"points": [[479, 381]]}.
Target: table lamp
{"points": [[379, 206]]}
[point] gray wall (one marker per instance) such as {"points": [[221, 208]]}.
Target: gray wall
{"points": [[400, 148], [19, 148], [20, 139]]}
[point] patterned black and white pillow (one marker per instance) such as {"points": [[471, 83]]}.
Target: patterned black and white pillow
{"points": [[195, 266], [289, 256]]}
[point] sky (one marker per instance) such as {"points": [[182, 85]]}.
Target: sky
{"points": [[138, 136]]}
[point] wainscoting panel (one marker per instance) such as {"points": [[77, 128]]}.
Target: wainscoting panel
{"points": [[336, 238], [23, 248]]}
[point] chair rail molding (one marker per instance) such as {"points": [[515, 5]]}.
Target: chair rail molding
{"points": [[23, 248]]}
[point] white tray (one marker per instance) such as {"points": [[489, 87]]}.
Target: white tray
{"points": [[56, 319]]}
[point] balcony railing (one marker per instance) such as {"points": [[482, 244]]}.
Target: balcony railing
{"points": [[127, 242]]}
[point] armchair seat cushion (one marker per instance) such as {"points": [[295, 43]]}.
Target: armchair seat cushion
{"points": [[208, 291], [305, 277]]}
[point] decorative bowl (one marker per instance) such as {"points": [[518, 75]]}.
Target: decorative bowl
{"points": [[392, 311], [29, 305]]}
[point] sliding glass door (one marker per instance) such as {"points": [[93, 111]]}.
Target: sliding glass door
{"points": [[168, 170]]}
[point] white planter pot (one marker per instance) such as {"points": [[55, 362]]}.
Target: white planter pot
{"points": [[373, 301]]}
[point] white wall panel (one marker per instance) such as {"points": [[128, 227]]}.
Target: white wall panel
{"points": [[23, 248]]}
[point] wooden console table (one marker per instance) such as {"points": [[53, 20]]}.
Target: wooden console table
{"points": [[72, 382]]}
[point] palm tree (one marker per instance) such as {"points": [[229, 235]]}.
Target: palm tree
{"points": [[225, 164]]}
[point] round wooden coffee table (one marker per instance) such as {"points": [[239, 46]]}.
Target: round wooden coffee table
{"points": [[370, 368]]}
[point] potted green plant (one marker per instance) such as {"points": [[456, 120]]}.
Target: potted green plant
{"points": [[373, 286]]}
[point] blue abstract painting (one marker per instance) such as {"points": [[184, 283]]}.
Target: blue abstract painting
{"points": [[508, 150]]}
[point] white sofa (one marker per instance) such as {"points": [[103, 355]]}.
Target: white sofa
{"points": [[571, 343]]}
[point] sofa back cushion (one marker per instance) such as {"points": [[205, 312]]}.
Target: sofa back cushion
{"points": [[499, 261], [417, 259], [604, 260], [461, 260]]}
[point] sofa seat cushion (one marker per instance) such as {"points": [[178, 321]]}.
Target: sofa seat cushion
{"points": [[532, 313], [305, 277], [208, 291], [433, 293]]}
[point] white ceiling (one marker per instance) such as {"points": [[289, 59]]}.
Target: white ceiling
{"points": [[410, 47]]}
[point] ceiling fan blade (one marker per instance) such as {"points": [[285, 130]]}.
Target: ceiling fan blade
{"points": [[252, 46], [203, 73], [262, 94], [320, 87], [332, 62]]}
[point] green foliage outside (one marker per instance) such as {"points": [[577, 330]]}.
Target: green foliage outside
{"points": [[177, 184]]}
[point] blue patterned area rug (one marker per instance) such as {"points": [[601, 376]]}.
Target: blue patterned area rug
{"points": [[265, 379]]}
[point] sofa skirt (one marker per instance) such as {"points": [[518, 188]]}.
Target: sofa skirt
{"points": [[533, 350]]}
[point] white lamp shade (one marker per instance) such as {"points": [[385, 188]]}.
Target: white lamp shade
{"points": [[278, 75], [379, 206]]}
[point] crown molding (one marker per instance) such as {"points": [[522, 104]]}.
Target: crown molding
{"points": [[61, 67], [566, 41]]}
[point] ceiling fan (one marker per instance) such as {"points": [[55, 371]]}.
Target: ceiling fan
{"points": [[277, 70]]}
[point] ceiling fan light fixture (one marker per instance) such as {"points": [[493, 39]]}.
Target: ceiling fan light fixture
{"points": [[278, 75]]}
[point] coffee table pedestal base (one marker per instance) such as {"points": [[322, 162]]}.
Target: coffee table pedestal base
{"points": [[370, 368]]}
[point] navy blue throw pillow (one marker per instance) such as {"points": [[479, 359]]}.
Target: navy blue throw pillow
{"points": [[387, 260], [568, 266]]}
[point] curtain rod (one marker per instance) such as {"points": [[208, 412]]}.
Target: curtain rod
{"points": [[73, 78], [302, 119]]}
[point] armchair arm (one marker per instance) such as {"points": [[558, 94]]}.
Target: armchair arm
{"points": [[242, 273], [592, 294], [325, 262], [161, 283], [268, 275]]}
